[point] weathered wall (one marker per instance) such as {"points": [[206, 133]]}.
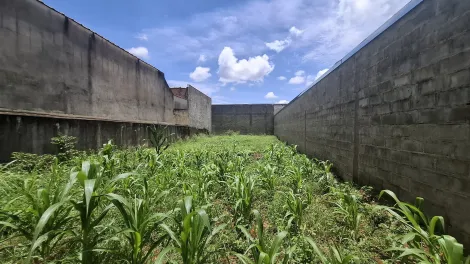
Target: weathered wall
{"points": [[180, 103], [278, 107], [396, 114], [244, 118], [199, 108], [33, 134], [51, 64]]}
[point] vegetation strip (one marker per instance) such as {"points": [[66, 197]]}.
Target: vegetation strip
{"points": [[208, 199]]}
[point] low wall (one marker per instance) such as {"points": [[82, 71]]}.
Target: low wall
{"points": [[51, 64], [396, 114], [32, 134], [244, 118]]}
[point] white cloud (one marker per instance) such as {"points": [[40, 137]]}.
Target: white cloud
{"points": [[299, 73], [141, 52], [344, 25], [142, 36], [233, 70], [281, 78], [320, 74], [295, 31], [278, 45], [282, 102], [200, 74], [330, 29], [202, 58], [232, 89], [297, 80], [270, 95]]}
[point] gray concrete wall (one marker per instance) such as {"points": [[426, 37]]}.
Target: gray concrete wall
{"points": [[51, 64], [199, 108], [32, 134], [244, 118], [396, 114], [180, 103], [278, 107]]}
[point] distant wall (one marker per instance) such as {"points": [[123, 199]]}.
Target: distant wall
{"points": [[396, 114], [51, 64], [245, 118], [199, 109], [33, 134]]}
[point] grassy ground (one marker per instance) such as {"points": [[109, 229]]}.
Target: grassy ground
{"points": [[209, 199]]}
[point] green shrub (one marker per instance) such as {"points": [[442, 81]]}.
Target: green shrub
{"points": [[65, 147]]}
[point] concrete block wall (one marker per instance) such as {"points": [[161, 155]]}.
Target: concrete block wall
{"points": [[396, 114], [244, 118], [52, 64]]}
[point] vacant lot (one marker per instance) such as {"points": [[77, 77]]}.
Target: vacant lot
{"points": [[218, 199]]}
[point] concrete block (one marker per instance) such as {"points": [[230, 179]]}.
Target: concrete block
{"points": [[458, 97], [455, 63], [460, 114], [9, 22], [450, 166], [434, 116], [460, 79], [24, 28], [434, 54]]}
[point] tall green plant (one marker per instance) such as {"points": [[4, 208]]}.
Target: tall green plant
{"points": [[140, 223], [261, 251], [45, 217], [349, 209], [159, 138], [422, 242], [296, 206], [92, 206], [267, 176], [242, 188], [195, 234]]}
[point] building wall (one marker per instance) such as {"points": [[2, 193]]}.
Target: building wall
{"points": [[244, 118], [396, 114], [51, 64], [199, 109], [180, 103], [32, 134]]}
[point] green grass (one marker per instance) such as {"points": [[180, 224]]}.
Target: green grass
{"points": [[207, 199], [216, 143]]}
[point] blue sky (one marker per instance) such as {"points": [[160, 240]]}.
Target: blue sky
{"points": [[240, 51]]}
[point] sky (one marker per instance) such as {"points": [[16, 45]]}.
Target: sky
{"points": [[238, 52]]}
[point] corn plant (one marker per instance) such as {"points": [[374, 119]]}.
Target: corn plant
{"points": [[332, 256], [327, 179], [423, 234], [296, 206], [261, 251], [45, 220], [267, 176], [140, 223], [159, 138], [242, 189], [91, 207], [349, 208], [297, 180], [195, 234]]}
